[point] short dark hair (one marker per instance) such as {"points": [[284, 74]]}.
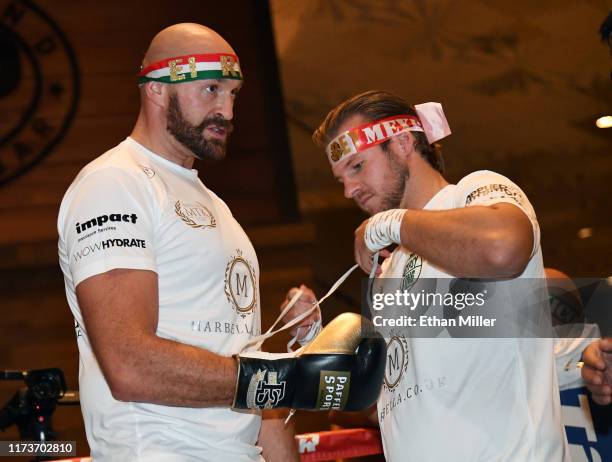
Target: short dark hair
{"points": [[375, 105]]}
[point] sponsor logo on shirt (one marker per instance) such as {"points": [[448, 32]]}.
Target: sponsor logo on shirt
{"points": [[240, 284], [107, 244], [411, 272], [103, 219], [195, 215], [265, 391], [224, 327], [397, 360], [389, 401], [497, 191]]}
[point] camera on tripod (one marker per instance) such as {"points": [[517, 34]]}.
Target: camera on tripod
{"points": [[32, 406]]}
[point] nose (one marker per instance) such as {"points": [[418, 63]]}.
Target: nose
{"points": [[225, 107], [351, 188]]}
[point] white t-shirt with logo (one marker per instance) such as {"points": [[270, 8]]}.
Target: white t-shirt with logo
{"points": [[470, 399], [131, 208]]}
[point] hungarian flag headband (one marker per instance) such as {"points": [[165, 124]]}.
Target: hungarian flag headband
{"points": [[192, 67], [430, 120]]}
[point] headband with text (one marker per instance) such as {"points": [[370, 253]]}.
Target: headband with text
{"points": [[430, 120], [192, 67]]}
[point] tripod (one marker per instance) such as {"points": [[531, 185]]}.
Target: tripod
{"points": [[31, 407]]}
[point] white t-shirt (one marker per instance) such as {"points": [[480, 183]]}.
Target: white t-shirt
{"points": [[470, 399], [131, 208]]}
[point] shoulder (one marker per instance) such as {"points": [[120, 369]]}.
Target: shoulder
{"points": [[116, 178], [485, 185], [120, 166], [482, 177]]}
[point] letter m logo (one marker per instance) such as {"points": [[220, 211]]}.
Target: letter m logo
{"points": [[241, 285], [393, 360]]}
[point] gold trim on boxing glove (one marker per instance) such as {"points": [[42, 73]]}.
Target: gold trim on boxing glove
{"points": [[341, 336]]}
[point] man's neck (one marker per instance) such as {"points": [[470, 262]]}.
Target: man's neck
{"points": [[158, 140], [423, 185]]}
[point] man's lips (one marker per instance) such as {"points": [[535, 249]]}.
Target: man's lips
{"points": [[216, 131], [363, 200]]}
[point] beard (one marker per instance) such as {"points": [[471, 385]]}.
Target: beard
{"points": [[396, 184], [192, 136], [392, 192]]}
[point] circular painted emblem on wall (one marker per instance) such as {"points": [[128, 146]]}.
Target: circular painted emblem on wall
{"points": [[397, 361], [39, 86], [241, 284]]}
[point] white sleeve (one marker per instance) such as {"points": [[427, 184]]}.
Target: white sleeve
{"points": [[107, 222], [568, 352], [488, 188]]}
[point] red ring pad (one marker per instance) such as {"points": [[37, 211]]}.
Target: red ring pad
{"points": [[327, 445], [339, 444]]}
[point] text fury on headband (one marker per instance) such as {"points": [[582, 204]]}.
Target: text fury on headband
{"points": [[192, 67], [430, 120]]}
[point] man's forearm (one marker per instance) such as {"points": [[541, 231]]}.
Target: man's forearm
{"points": [[161, 371], [276, 438], [472, 241], [120, 315]]}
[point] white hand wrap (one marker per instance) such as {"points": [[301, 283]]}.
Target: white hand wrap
{"points": [[383, 229]]}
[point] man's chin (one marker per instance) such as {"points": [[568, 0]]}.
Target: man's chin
{"points": [[370, 210], [215, 154]]}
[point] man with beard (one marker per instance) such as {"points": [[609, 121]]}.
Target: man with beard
{"points": [[445, 398], [149, 255]]}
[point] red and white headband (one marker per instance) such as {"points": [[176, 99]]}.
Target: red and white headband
{"points": [[192, 67], [430, 120]]}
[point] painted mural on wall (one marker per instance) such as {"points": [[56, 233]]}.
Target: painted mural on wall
{"points": [[39, 87]]}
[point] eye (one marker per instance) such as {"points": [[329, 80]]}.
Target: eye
{"points": [[357, 167], [212, 89], [235, 92]]}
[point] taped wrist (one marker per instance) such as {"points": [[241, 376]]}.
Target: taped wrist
{"points": [[383, 229]]}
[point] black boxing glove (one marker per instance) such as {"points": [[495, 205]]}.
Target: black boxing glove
{"points": [[341, 369]]}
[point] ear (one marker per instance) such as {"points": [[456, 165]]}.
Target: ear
{"points": [[405, 143], [156, 92]]}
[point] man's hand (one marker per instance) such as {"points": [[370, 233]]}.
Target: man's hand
{"points": [[303, 304], [277, 439], [363, 255], [597, 370]]}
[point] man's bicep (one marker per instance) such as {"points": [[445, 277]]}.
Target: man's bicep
{"points": [[118, 307], [517, 219]]}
